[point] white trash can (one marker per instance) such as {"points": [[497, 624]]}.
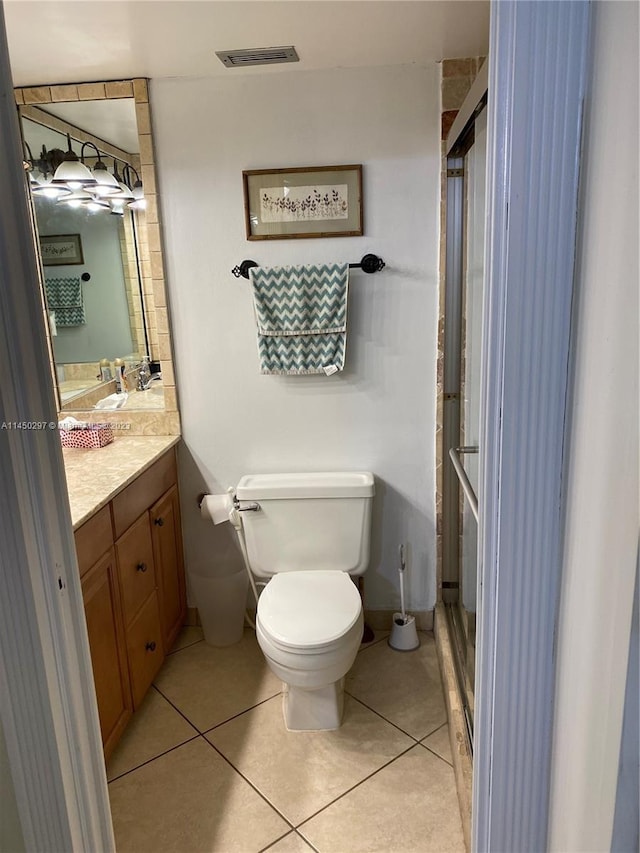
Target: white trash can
{"points": [[221, 603]]}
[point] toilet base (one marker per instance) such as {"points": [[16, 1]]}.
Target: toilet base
{"points": [[313, 710]]}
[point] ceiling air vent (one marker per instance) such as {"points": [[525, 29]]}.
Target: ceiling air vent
{"points": [[257, 56]]}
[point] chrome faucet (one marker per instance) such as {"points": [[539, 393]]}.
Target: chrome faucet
{"points": [[144, 374]]}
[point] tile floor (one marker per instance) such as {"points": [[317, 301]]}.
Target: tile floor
{"points": [[207, 765]]}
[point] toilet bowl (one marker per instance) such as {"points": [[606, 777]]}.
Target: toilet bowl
{"points": [[309, 627]]}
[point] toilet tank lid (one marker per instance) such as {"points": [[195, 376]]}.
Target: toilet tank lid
{"points": [[325, 484]]}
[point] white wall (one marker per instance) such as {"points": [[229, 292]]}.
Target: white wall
{"points": [[379, 414], [594, 626]]}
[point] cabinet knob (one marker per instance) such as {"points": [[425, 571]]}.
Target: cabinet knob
{"points": [[150, 647], [141, 567], [158, 521]]}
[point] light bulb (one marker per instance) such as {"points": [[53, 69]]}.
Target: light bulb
{"points": [[138, 204]]}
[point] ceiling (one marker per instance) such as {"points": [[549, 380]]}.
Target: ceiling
{"points": [[63, 41], [111, 120]]}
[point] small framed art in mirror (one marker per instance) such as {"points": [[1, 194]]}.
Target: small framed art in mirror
{"points": [[61, 249]]}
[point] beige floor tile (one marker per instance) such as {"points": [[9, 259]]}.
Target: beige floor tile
{"points": [[154, 728], [301, 772], [377, 637], [190, 801], [291, 843], [439, 743], [409, 806], [404, 687], [187, 637], [210, 685]]}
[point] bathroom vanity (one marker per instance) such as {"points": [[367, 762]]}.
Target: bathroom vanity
{"points": [[126, 520]]}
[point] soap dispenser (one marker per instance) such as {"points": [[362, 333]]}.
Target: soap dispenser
{"points": [[105, 370]]}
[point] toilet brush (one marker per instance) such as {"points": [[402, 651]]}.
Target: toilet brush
{"points": [[404, 635]]}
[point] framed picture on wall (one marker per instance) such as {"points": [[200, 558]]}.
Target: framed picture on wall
{"points": [[61, 249], [314, 201]]}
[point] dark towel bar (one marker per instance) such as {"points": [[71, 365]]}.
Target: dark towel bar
{"points": [[369, 264]]}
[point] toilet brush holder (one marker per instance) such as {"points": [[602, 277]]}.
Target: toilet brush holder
{"points": [[404, 634]]}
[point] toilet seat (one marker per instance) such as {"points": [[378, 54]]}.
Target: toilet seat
{"points": [[309, 610]]}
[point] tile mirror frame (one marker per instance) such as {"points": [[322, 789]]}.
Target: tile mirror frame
{"points": [[164, 421]]}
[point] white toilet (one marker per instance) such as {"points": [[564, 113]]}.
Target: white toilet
{"points": [[308, 533]]}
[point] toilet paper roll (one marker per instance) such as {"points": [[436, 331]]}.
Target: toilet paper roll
{"points": [[216, 508]]}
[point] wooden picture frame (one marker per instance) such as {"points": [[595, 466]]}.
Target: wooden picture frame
{"points": [[61, 250], [313, 201]]}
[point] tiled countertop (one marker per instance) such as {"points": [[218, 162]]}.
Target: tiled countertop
{"points": [[94, 477]]}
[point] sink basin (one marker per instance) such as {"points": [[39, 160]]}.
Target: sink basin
{"points": [[152, 398]]}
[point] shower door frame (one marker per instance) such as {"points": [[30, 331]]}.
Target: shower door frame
{"points": [[460, 141], [537, 83]]}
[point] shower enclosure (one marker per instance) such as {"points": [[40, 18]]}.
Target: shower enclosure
{"points": [[465, 228]]}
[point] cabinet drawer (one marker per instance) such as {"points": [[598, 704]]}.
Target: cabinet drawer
{"points": [[136, 570], [144, 646], [144, 491], [93, 539]]}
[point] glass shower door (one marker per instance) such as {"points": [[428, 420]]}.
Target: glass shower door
{"points": [[466, 232], [475, 175]]}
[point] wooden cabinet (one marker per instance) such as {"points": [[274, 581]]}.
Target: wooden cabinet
{"points": [[132, 571], [167, 555], [103, 612], [145, 490], [138, 590]]}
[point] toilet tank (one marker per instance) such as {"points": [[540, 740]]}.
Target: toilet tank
{"points": [[307, 521]]}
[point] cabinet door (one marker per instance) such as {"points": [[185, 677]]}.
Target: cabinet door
{"points": [[167, 554], [108, 650]]}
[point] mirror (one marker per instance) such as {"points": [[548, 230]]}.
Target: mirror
{"points": [[96, 257], [89, 259]]}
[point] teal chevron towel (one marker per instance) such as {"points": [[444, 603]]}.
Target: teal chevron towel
{"points": [[64, 296], [301, 313]]}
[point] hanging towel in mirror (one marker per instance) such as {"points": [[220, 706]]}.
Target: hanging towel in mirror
{"points": [[64, 296], [301, 313]]}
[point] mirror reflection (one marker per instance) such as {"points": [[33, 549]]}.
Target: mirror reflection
{"points": [[88, 198]]}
